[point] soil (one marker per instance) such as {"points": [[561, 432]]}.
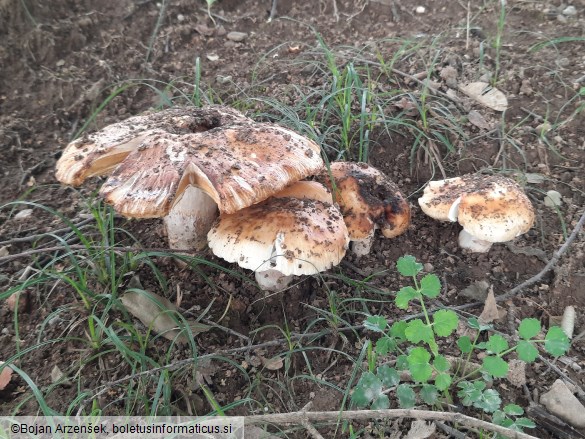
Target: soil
{"points": [[63, 60]]}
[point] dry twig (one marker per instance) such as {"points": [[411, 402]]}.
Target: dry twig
{"points": [[368, 415]]}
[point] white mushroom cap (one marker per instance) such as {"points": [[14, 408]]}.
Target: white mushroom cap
{"points": [[290, 235], [490, 208], [439, 196], [497, 212], [368, 200]]}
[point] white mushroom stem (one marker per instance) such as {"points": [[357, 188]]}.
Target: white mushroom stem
{"points": [[361, 247], [470, 242], [190, 219], [272, 280]]}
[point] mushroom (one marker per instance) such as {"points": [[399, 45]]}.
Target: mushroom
{"points": [[297, 231], [491, 208], [183, 164], [368, 200]]}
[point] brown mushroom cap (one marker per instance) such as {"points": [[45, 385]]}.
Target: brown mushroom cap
{"points": [[312, 190], [293, 236], [489, 207], [367, 198], [235, 161], [236, 166], [100, 152]]}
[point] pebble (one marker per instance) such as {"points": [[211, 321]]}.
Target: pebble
{"points": [[553, 199], [236, 36], [23, 214], [570, 11], [561, 402], [420, 10], [180, 18]]}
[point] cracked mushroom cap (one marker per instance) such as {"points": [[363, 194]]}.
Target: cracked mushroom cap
{"points": [[368, 199], [491, 208], [100, 152], [291, 235], [236, 162]]}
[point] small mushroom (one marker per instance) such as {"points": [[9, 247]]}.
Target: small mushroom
{"points": [[184, 164], [491, 208], [368, 200], [295, 232]]}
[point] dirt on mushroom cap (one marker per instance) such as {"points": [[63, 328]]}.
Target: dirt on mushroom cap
{"points": [[293, 236], [100, 152], [498, 212], [237, 166], [492, 208], [367, 198]]}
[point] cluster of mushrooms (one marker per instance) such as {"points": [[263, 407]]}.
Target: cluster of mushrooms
{"points": [[219, 179]]}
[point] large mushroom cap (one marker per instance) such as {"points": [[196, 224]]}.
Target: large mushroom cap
{"points": [[153, 158], [236, 166], [290, 235], [100, 152], [367, 199]]}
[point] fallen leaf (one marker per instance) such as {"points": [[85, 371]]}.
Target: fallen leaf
{"points": [[5, 376], [4, 251], [476, 118], [419, 429], [486, 95], [156, 313], [273, 363], [490, 309]]}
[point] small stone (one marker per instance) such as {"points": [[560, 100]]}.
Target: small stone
{"points": [[237, 36], [212, 57], [561, 18], [23, 214], [570, 11], [180, 18], [420, 10], [553, 199], [561, 402]]}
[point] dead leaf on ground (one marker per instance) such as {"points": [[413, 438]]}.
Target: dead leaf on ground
{"points": [[4, 251], [273, 363], [156, 313], [477, 119], [486, 95], [490, 309], [5, 376]]}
